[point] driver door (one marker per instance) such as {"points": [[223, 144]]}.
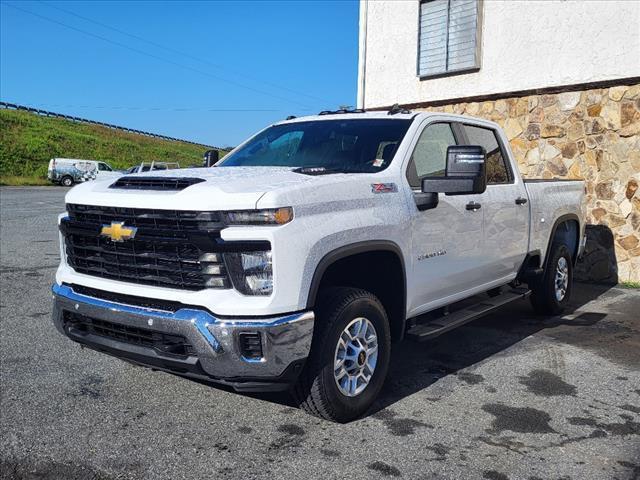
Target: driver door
{"points": [[446, 240]]}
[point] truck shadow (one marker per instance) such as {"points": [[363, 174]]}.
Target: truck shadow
{"points": [[598, 262], [417, 366]]}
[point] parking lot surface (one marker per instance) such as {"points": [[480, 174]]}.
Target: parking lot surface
{"points": [[510, 396]]}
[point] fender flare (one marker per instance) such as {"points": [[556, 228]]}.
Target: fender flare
{"points": [[348, 251], [559, 221]]}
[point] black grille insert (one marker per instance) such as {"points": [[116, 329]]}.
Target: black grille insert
{"points": [[155, 183], [171, 345], [171, 248], [163, 221], [156, 304]]}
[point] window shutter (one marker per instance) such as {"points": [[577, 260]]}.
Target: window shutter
{"points": [[448, 36], [433, 37], [463, 23]]}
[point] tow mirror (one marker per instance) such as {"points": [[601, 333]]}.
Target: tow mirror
{"points": [[465, 173]]}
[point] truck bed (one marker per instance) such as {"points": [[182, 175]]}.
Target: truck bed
{"points": [[550, 200]]}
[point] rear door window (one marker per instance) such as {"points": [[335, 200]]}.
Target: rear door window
{"points": [[497, 169]]}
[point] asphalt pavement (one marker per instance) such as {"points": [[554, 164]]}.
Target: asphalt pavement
{"points": [[510, 396]]}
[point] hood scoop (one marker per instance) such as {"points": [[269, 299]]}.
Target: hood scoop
{"points": [[155, 183]]}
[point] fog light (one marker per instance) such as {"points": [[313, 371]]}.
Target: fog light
{"points": [[250, 345]]}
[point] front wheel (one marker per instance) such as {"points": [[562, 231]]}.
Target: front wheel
{"points": [[349, 356], [66, 181], [551, 294]]}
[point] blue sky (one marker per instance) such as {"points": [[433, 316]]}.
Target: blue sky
{"points": [[174, 67]]}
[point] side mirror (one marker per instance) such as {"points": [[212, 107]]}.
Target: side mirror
{"points": [[209, 158], [465, 172], [426, 201]]}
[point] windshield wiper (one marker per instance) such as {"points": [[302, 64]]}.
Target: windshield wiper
{"points": [[316, 170], [324, 170]]}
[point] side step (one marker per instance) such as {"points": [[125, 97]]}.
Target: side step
{"points": [[440, 325]]}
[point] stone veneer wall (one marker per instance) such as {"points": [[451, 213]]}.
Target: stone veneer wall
{"points": [[590, 134]]}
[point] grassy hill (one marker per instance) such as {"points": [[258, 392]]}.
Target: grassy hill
{"points": [[28, 141]]}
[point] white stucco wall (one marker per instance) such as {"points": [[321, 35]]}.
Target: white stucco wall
{"points": [[525, 45]]}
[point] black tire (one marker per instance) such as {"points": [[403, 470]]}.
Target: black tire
{"points": [[316, 390], [543, 298], [66, 181]]}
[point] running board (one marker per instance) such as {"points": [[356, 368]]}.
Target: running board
{"points": [[440, 325]]}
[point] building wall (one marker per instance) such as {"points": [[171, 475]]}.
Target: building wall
{"points": [[592, 134], [525, 45], [563, 79]]}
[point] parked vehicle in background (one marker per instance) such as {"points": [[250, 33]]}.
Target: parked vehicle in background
{"points": [[67, 171], [153, 166], [310, 249]]}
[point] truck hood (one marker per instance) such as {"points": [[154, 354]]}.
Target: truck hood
{"points": [[224, 188]]}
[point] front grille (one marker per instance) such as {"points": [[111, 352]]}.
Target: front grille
{"points": [[155, 183], [171, 248], [167, 344], [165, 221]]}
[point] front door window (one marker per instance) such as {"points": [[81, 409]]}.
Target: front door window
{"points": [[429, 158]]}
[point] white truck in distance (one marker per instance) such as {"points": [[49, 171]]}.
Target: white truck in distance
{"points": [[67, 171], [308, 252]]}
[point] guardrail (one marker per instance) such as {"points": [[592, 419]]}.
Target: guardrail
{"points": [[46, 113]]}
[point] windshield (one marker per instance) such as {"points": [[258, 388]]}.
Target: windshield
{"points": [[366, 145]]}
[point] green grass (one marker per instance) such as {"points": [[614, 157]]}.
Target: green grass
{"points": [[630, 284], [22, 181], [28, 141]]}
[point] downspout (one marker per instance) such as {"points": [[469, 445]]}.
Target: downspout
{"points": [[362, 53]]}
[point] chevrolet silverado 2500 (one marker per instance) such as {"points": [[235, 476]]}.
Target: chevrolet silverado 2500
{"points": [[299, 259]]}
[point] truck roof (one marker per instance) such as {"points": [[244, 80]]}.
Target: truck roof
{"points": [[384, 114]]}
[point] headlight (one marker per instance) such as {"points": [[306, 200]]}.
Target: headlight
{"points": [[251, 272], [271, 216]]}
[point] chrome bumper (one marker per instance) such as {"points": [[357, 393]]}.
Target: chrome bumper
{"points": [[286, 340]]}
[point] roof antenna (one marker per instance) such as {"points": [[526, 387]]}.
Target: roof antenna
{"points": [[397, 109]]}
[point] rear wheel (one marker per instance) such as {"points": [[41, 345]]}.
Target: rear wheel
{"points": [[66, 181], [349, 356], [553, 291]]}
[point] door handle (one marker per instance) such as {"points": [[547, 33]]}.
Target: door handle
{"points": [[521, 201], [473, 206]]}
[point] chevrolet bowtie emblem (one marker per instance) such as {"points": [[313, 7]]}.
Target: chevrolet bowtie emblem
{"points": [[117, 232]]}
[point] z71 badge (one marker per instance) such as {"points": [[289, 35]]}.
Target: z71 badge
{"points": [[384, 187]]}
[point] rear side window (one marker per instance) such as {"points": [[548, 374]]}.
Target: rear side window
{"points": [[497, 171], [429, 158]]}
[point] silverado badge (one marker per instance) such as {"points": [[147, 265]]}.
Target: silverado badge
{"points": [[117, 232]]}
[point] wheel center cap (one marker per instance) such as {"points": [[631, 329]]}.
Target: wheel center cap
{"points": [[361, 358]]}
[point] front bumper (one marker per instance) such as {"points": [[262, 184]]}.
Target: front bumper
{"points": [[215, 352]]}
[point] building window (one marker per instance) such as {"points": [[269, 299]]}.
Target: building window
{"points": [[449, 37]]}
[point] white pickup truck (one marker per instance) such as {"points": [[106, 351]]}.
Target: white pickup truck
{"points": [[299, 259]]}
